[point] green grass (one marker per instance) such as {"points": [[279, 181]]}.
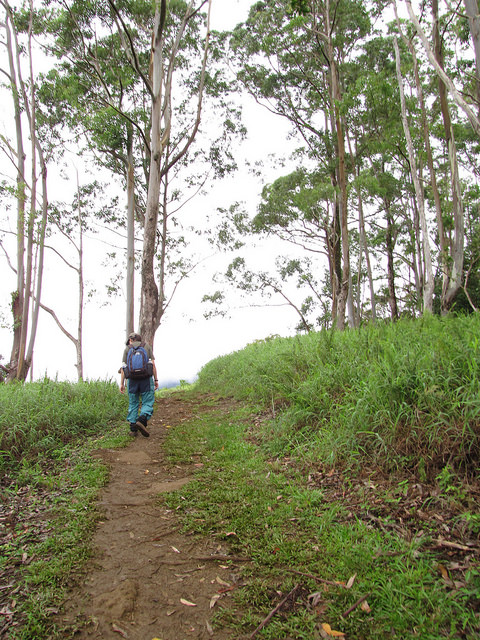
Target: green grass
{"points": [[39, 418], [48, 488], [265, 510], [399, 395]]}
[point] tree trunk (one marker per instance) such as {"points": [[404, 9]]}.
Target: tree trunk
{"points": [[455, 275], [335, 245], [343, 202], [471, 7], [130, 285], [438, 66], [390, 244], [431, 168], [428, 281], [41, 251], [363, 239], [149, 293], [152, 295], [79, 341], [18, 300]]}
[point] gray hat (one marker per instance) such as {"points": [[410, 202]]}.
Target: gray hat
{"points": [[134, 336]]}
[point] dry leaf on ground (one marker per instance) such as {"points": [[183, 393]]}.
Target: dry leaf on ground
{"points": [[187, 603], [330, 632]]}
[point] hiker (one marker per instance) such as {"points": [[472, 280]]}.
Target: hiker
{"points": [[138, 367]]}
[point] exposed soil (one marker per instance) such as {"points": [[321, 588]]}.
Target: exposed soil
{"points": [[148, 580]]}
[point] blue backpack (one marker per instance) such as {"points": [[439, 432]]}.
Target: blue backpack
{"points": [[138, 366]]}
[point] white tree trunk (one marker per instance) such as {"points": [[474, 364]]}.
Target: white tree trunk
{"points": [[152, 295], [130, 313], [428, 284]]}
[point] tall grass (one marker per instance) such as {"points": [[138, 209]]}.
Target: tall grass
{"points": [[396, 393], [38, 418], [47, 432]]}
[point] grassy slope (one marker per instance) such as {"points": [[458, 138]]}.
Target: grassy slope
{"points": [[360, 459], [350, 469], [405, 395]]}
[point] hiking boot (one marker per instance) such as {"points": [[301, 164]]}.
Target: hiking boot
{"points": [[133, 429], [141, 426]]}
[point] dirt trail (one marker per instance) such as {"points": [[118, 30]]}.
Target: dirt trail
{"points": [[145, 571]]}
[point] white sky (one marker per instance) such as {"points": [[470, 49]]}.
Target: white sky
{"points": [[185, 341]]}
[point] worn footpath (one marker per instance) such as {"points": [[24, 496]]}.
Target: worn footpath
{"points": [[147, 579]]}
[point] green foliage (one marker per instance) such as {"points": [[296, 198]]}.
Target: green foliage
{"points": [[410, 388], [41, 417]]}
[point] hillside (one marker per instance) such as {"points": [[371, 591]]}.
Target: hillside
{"points": [[329, 488]]}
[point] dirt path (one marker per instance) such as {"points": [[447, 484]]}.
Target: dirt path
{"points": [[145, 571]]}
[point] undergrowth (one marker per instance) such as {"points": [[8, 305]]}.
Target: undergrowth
{"points": [[293, 482]]}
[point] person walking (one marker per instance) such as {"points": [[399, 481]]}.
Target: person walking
{"points": [[138, 368]]}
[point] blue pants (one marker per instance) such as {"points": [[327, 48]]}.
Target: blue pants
{"points": [[140, 391]]}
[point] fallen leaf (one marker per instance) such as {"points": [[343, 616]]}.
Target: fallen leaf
{"points": [[222, 582], [146, 471], [443, 571], [315, 598], [5, 611], [445, 576], [365, 607], [117, 629], [350, 582], [175, 549], [329, 631], [209, 628], [187, 603], [214, 599]]}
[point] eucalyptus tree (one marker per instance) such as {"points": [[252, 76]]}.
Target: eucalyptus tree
{"points": [[375, 139], [428, 285], [136, 78], [71, 222], [399, 138], [456, 89], [293, 64], [296, 209], [31, 167], [94, 91], [250, 281]]}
